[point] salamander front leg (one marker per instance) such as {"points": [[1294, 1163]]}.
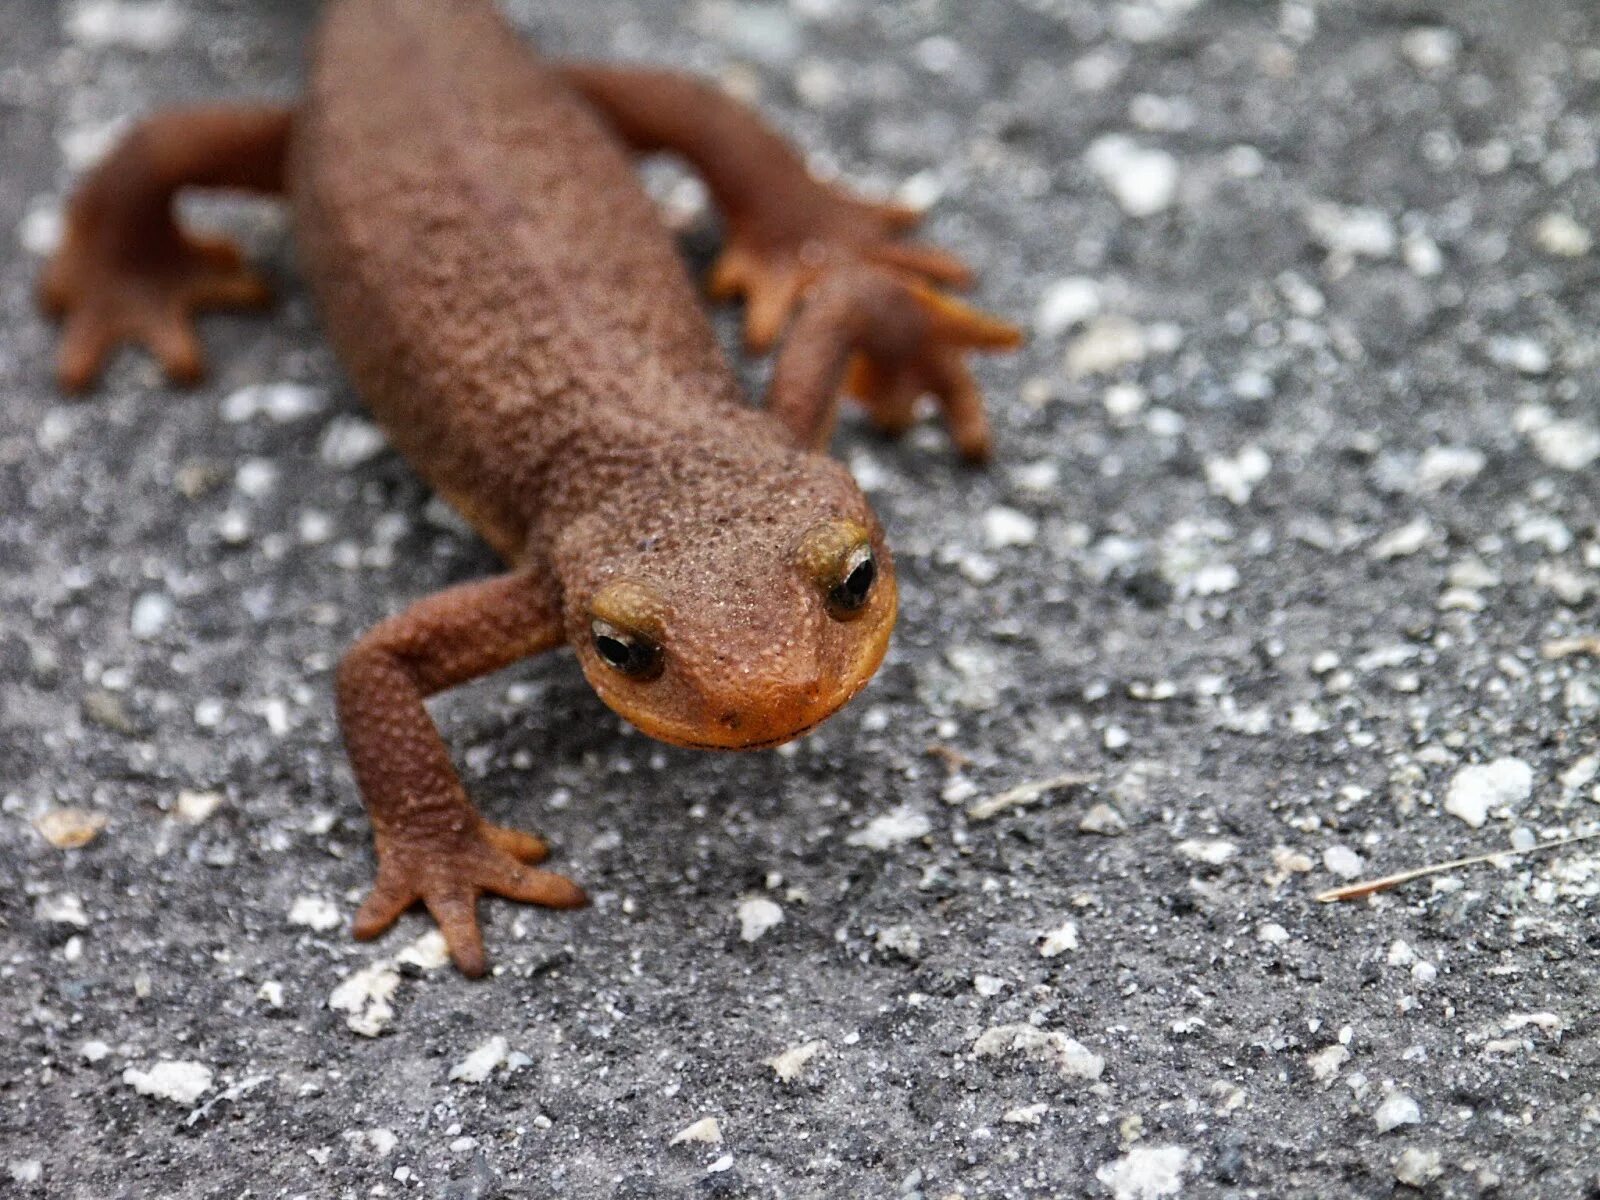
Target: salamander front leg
{"points": [[888, 341], [432, 844], [126, 271]]}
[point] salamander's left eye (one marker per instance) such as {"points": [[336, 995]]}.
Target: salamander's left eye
{"points": [[857, 574], [633, 654]]}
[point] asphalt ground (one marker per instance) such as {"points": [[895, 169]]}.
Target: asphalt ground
{"points": [[1281, 579]]}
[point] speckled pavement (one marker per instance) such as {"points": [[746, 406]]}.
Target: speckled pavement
{"points": [[1287, 575]]}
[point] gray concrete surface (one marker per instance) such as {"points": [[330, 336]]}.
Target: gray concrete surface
{"points": [[1293, 521]]}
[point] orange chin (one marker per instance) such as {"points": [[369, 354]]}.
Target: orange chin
{"points": [[763, 730]]}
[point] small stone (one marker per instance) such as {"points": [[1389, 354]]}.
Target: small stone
{"points": [[1059, 940], [1477, 789], [481, 1062], [706, 1132], [25, 1171], [1559, 235], [1431, 48], [1213, 852], [270, 993], [1404, 541], [904, 824], [1397, 1109], [1146, 1173], [1235, 479], [1124, 401], [1418, 1168], [428, 953], [1071, 1058], [1358, 232], [1272, 933], [1144, 181], [61, 908], [178, 1080], [1524, 355], [1326, 1063], [315, 912], [147, 25], [350, 441], [1028, 1114], [1569, 445], [789, 1065], [195, 807], [1005, 527], [69, 828], [1066, 304], [366, 996], [1102, 819], [151, 612], [757, 915], [1108, 343], [1443, 465], [94, 1051], [1343, 862], [279, 402]]}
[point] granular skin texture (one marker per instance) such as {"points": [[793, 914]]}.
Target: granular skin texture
{"points": [[499, 288]]}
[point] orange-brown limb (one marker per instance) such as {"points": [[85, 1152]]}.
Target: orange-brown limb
{"points": [[785, 228], [889, 342], [432, 844], [125, 271]]}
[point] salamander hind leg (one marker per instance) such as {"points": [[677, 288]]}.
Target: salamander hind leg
{"points": [[126, 271], [786, 229]]}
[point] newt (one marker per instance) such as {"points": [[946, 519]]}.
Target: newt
{"points": [[504, 297]]}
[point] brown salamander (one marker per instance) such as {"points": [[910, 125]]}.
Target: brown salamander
{"points": [[508, 304]]}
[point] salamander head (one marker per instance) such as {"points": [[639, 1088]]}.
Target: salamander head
{"points": [[731, 613]]}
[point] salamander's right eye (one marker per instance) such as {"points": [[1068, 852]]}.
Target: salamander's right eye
{"points": [[633, 654]]}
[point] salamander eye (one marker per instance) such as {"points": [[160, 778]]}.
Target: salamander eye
{"points": [[857, 574], [633, 654]]}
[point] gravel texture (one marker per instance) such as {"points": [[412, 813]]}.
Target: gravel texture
{"points": [[1286, 575]]}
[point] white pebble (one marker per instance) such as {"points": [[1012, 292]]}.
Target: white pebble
{"points": [[366, 995], [1144, 181], [1214, 852], [1524, 355], [1559, 235], [1396, 1110], [1059, 940], [1441, 465], [1235, 479], [1570, 445], [789, 1065], [758, 914], [1272, 933], [706, 1131], [61, 908], [39, 231], [350, 441], [1326, 1063], [1477, 789], [902, 824], [178, 1080], [1027, 1114], [1343, 862], [1418, 1168], [1004, 527], [1431, 47], [1404, 541], [315, 912], [1071, 1058], [280, 402], [151, 612], [1146, 1173], [481, 1062], [1359, 232], [1106, 344], [195, 807], [134, 24], [1066, 304]]}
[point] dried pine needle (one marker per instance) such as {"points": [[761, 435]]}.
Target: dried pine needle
{"points": [[1368, 887]]}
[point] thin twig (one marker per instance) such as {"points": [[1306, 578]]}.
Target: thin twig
{"points": [[1357, 891]]}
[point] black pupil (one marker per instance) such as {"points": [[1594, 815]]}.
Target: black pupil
{"points": [[615, 651], [853, 591]]}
